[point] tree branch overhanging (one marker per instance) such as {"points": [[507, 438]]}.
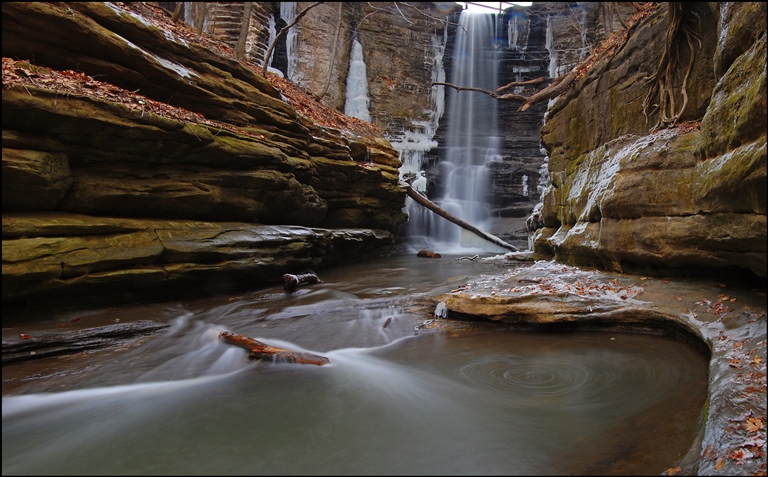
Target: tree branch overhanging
{"points": [[555, 89]]}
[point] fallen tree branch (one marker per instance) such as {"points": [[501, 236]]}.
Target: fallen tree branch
{"points": [[413, 194], [259, 350]]}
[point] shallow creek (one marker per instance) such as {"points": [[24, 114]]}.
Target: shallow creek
{"points": [[408, 397]]}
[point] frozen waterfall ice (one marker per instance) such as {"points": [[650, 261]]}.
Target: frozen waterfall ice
{"points": [[357, 102]]}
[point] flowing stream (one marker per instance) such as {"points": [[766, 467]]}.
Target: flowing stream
{"points": [[394, 400]]}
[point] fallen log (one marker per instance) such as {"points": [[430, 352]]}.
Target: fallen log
{"points": [[291, 281], [413, 194], [259, 350]]}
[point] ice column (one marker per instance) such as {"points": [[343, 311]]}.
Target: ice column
{"points": [[517, 32], [550, 46], [288, 13], [412, 144], [357, 101]]}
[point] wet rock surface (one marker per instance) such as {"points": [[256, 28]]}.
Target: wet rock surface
{"points": [[54, 262], [53, 343]]}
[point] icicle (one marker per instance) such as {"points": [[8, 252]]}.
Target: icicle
{"points": [[550, 46], [288, 14], [440, 310], [357, 101]]}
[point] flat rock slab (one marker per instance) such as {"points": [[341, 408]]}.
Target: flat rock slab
{"points": [[46, 343]]}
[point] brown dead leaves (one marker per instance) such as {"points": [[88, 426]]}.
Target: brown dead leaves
{"points": [[582, 287], [307, 105], [73, 83], [719, 307], [617, 40], [25, 74]]}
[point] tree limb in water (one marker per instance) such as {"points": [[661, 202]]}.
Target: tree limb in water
{"points": [[259, 350], [413, 194]]}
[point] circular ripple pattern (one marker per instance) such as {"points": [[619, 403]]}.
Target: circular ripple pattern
{"points": [[603, 375], [567, 380]]}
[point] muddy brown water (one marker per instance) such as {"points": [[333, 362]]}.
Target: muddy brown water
{"points": [[394, 400]]}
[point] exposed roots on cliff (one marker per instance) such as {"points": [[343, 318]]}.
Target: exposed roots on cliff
{"points": [[680, 28]]}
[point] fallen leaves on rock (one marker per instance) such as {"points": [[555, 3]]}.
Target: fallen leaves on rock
{"points": [[25, 74], [753, 446], [308, 106], [69, 82], [610, 45]]}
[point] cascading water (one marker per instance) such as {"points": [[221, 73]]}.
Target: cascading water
{"points": [[472, 141]]}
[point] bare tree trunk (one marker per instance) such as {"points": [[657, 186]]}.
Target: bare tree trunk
{"points": [[280, 34], [177, 12], [442, 213], [333, 55], [199, 9], [244, 27]]}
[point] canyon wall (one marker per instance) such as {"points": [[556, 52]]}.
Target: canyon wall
{"points": [[141, 161], [628, 196]]}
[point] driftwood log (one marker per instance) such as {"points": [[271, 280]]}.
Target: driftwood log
{"points": [[259, 350]]}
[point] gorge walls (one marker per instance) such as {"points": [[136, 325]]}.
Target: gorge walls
{"points": [[628, 196], [141, 160]]}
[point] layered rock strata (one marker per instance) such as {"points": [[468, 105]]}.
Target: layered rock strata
{"points": [[101, 184], [628, 197]]}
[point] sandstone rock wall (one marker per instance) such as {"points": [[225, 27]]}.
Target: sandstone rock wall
{"points": [[108, 117], [687, 198], [406, 49]]}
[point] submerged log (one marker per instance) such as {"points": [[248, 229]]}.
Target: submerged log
{"points": [[259, 350], [413, 194]]}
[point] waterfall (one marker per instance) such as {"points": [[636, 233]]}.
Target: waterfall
{"points": [[357, 101], [412, 144], [472, 138]]}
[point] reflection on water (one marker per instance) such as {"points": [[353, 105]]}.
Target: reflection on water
{"points": [[480, 402]]}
